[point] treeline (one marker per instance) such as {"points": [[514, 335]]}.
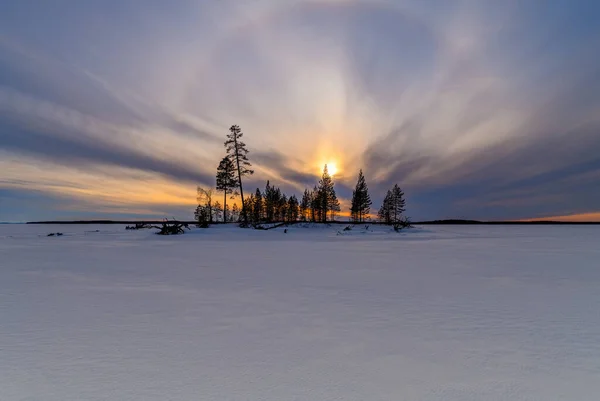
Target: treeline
{"points": [[270, 205]]}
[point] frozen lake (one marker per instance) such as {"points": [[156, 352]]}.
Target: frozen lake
{"points": [[465, 313]]}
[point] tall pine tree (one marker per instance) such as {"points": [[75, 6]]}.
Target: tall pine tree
{"points": [[257, 210], [292, 209], [269, 202], [361, 200], [282, 207], [226, 182], [305, 205], [326, 199], [238, 153], [334, 205], [315, 205]]}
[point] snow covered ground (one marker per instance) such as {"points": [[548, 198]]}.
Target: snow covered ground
{"points": [[441, 313]]}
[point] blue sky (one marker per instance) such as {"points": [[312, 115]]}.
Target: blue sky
{"points": [[478, 109]]}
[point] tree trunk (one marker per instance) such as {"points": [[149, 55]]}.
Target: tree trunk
{"points": [[225, 207], [237, 162]]}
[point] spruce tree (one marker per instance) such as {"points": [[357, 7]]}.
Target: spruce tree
{"points": [[334, 205], [384, 213], [201, 215], [326, 198], [315, 205], [283, 204], [269, 202], [235, 213], [353, 208], [292, 209], [205, 201], [276, 204], [257, 209], [226, 182], [305, 205], [361, 200], [217, 210], [398, 204], [238, 153], [393, 207], [249, 205]]}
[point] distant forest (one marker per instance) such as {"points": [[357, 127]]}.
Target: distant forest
{"points": [[319, 204]]}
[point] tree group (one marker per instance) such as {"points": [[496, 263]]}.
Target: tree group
{"points": [[271, 205], [393, 207]]}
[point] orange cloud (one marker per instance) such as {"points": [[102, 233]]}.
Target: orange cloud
{"points": [[573, 218]]}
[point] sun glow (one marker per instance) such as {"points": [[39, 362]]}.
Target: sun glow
{"points": [[332, 168]]}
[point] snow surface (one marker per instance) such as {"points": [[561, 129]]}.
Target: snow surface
{"points": [[439, 313]]}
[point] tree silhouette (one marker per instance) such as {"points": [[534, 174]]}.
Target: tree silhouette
{"points": [[361, 200], [384, 213], [257, 207], [249, 205], [315, 205], [334, 205], [235, 213], [326, 200], [226, 182], [398, 204], [282, 205], [204, 199], [305, 205], [238, 153], [393, 206], [292, 209], [217, 211], [270, 199]]}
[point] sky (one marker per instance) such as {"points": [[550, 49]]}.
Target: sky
{"points": [[477, 109]]}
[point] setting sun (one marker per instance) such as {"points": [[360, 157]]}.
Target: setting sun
{"points": [[332, 168]]}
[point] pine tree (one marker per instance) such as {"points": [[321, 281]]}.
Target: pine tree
{"points": [[305, 205], [257, 210], [238, 153], [398, 204], [217, 211], [361, 200], [226, 214], [205, 201], [334, 205], [393, 207], [292, 209], [315, 205], [384, 213], [353, 207], [235, 213], [249, 205], [282, 207], [201, 215], [326, 197], [276, 203], [269, 202], [226, 182]]}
